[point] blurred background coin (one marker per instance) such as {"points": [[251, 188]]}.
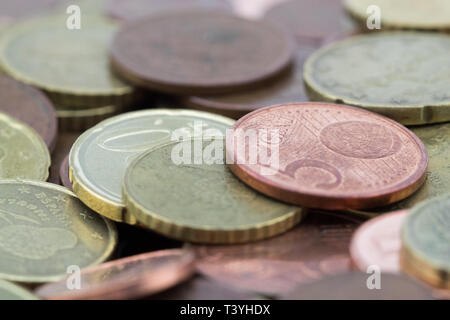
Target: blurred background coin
{"points": [[10, 11], [377, 242], [71, 66], [79, 120], [134, 9], [425, 242], [46, 229], [316, 248], [199, 52], [402, 75], [10, 291], [288, 87], [200, 201], [23, 153], [331, 156], [100, 156], [128, 278], [30, 106], [353, 286], [64, 173], [404, 14]]}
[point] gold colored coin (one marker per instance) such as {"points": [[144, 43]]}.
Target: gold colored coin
{"points": [[10, 291], [195, 197], [79, 120], [402, 75], [23, 153], [425, 242], [404, 14], [100, 156], [45, 229], [71, 66]]}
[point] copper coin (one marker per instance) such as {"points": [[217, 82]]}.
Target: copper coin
{"points": [[12, 10], [377, 242], [127, 278], [134, 9], [286, 88], [354, 286], [314, 249], [200, 288], [327, 156], [199, 52], [64, 173], [30, 106], [311, 19]]}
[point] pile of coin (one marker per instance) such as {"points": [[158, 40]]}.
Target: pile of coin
{"points": [[198, 150]]}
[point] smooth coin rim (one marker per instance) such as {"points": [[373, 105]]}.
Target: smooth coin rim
{"points": [[112, 209], [203, 234], [36, 139], [112, 232], [415, 113], [341, 201]]}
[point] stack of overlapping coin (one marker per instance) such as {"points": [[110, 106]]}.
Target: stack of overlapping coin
{"points": [[191, 204]]}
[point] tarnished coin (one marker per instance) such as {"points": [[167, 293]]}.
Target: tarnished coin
{"points": [[194, 196], [23, 153], [288, 87], [135, 9], [71, 66], [377, 242], [10, 291], [357, 286], [425, 242], [314, 249], [199, 52], [100, 156], [62, 149], [327, 156], [404, 14], [45, 229], [311, 20], [79, 120], [64, 173], [17, 9], [30, 106], [128, 278], [402, 75]]}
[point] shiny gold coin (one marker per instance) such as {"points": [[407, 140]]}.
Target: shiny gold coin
{"points": [[79, 120], [402, 75], [45, 230], [23, 153], [195, 197], [425, 242], [404, 14], [99, 157], [71, 66], [10, 291]]}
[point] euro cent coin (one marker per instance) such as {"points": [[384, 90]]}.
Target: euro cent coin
{"points": [[200, 201], [23, 153], [327, 156], [404, 14], [11, 291], [45, 230], [30, 106], [100, 156], [425, 245], [71, 66], [199, 52], [377, 242], [402, 75]]}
